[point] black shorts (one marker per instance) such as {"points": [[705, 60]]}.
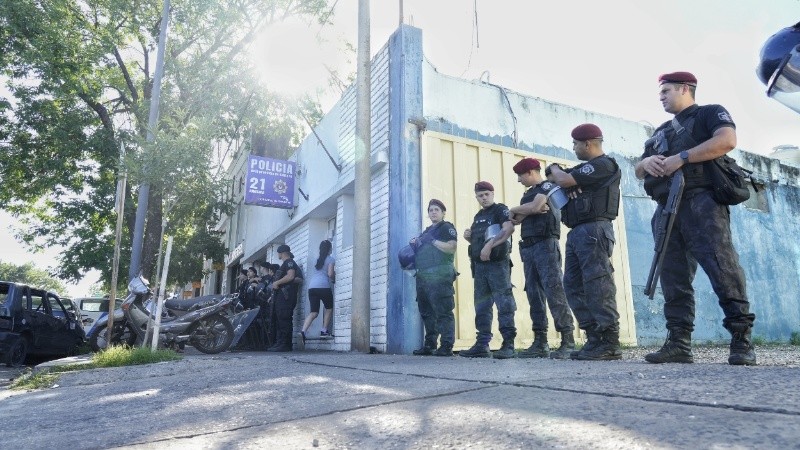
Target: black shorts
{"points": [[317, 294]]}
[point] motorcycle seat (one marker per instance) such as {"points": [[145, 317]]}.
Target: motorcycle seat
{"points": [[192, 303]]}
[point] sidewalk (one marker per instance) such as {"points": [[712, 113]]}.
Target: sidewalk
{"points": [[350, 400]]}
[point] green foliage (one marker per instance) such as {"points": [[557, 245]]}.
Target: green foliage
{"points": [[795, 338], [81, 73], [32, 276], [759, 340]]}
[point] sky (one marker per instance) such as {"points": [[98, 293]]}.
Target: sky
{"points": [[602, 56]]}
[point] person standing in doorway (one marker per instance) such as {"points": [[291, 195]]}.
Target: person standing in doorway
{"points": [[588, 273], [701, 232], [320, 289], [435, 254], [541, 255], [284, 300], [489, 251]]}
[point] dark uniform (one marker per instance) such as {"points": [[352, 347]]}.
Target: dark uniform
{"points": [[588, 273], [435, 293], [492, 278], [700, 234], [283, 303], [541, 256]]}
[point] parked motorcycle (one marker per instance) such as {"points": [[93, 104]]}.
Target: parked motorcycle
{"points": [[201, 324]]}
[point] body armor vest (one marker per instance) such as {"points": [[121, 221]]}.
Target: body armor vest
{"points": [[481, 222], [693, 173], [429, 256], [539, 226], [589, 206]]}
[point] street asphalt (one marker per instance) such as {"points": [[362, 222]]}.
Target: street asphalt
{"points": [[352, 400]]}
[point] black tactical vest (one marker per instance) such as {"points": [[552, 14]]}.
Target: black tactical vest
{"points": [[429, 256], [600, 203], [481, 222], [693, 173], [539, 226]]}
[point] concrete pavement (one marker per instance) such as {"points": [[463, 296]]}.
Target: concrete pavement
{"points": [[349, 400]]}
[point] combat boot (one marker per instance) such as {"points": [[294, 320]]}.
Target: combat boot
{"points": [[539, 347], [444, 350], [592, 340], [606, 349], [742, 350], [476, 351], [506, 350], [564, 351], [424, 351], [676, 349]]}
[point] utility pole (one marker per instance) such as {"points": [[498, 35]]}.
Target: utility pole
{"points": [[122, 185], [360, 308], [152, 124]]}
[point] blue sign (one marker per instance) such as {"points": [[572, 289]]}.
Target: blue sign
{"points": [[270, 182]]}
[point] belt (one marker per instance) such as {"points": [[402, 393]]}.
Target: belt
{"points": [[529, 241]]}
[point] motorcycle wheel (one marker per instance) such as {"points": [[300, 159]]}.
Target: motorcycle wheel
{"points": [[212, 334], [123, 335]]}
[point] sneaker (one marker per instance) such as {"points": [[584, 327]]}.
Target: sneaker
{"points": [[424, 351], [476, 351], [443, 351], [324, 334]]}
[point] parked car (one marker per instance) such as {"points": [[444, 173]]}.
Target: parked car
{"points": [[74, 308], [92, 308], [35, 322]]}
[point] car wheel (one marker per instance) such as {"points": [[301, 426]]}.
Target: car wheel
{"points": [[17, 353]]}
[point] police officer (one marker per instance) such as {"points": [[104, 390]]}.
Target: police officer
{"points": [[588, 274], [491, 270], [284, 300], [435, 253], [541, 256], [701, 231]]}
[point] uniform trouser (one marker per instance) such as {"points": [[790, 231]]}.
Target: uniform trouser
{"points": [[588, 276], [282, 312], [542, 262], [435, 298], [493, 287], [702, 233]]}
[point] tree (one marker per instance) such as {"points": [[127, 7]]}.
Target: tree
{"points": [[80, 75], [32, 276]]}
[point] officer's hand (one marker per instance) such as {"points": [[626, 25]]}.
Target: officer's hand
{"points": [[425, 239], [413, 242], [467, 233], [485, 252], [654, 165], [671, 164], [573, 193]]}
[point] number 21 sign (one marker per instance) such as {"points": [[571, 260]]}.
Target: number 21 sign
{"points": [[270, 182]]}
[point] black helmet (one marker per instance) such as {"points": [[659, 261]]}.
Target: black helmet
{"points": [[407, 255], [775, 50]]}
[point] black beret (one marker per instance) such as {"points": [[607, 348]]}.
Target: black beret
{"points": [[283, 248], [587, 132], [526, 165], [437, 203], [678, 77]]}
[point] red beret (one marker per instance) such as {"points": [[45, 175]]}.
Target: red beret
{"points": [[525, 165], [678, 77], [437, 203], [587, 132], [483, 186]]}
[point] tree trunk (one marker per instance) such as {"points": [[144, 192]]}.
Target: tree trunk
{"points": [[152, 232]]}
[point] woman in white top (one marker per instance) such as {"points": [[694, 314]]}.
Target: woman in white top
{"points": [[320, 288]]}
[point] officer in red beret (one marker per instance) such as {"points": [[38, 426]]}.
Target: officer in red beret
{"points": [[588, 274], [434, 258], [489, 250], [701, 232], [540, 231]]}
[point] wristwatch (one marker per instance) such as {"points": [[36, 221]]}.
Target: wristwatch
{"points": [[684, 156]]}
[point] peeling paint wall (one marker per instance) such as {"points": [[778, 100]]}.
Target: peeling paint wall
{"points": [[766, 240]]}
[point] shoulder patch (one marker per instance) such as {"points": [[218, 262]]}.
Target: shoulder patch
{"points": [[453, 232], [547, 185], [289, 265], [586, 169], [724, 116]]}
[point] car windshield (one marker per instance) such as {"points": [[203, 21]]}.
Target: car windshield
{"points": [[91, 304], [4, 288]]}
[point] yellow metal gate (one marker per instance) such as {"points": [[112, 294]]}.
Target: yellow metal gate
{"points": [[450, 168]]}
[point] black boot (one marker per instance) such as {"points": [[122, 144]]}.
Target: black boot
{"points": [[477, 351], [742, 350], [539, 347], [444, 350], [506, 350], [424, 351], [592, 340], [564, 351], [606, 349], [676, 349]]}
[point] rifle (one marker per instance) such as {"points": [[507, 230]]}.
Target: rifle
{"points": [[663, 229]]}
